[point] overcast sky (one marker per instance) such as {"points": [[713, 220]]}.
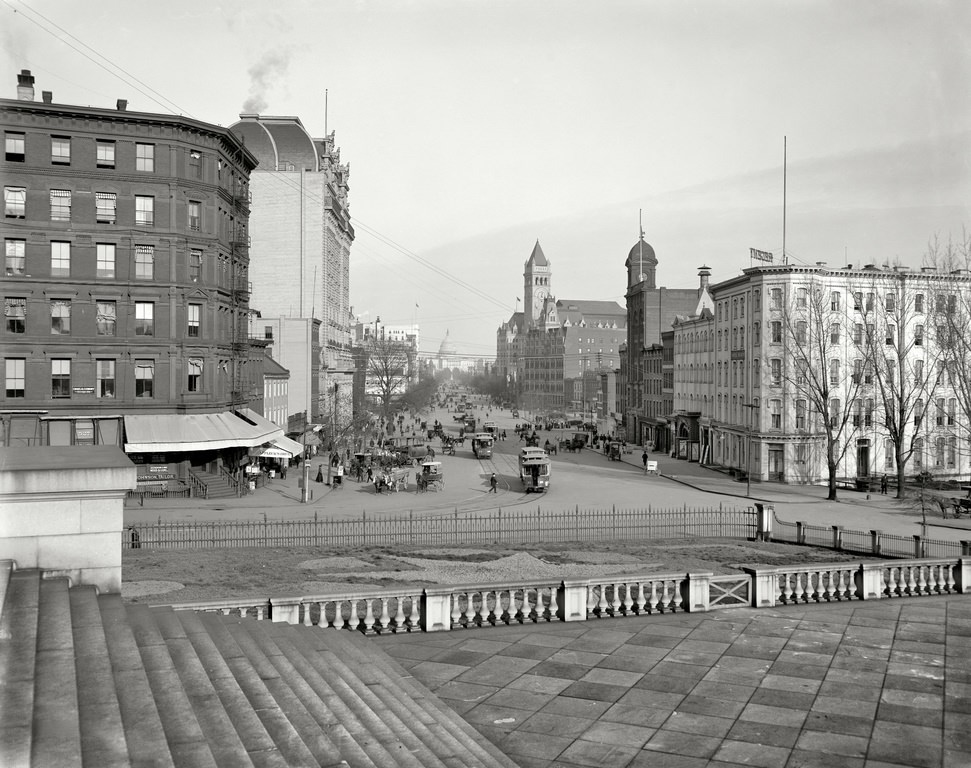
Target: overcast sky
{"points": [[474, 128]]}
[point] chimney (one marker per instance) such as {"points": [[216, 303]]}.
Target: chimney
{"points": [[704, 273], [25, 86], [47, 96], [121, 105]]}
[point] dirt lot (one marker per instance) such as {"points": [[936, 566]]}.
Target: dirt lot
{"points": [[167, 576]]}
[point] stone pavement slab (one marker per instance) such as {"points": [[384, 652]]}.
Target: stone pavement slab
{"points": [[880, 684]]}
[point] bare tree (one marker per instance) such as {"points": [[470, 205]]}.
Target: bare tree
{"points": [[900, 362], [815, 328], [387, 372]]}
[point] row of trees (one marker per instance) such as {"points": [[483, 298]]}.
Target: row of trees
{"points": [[908, 337]]}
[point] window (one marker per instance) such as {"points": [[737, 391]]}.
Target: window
{"points": [[939, 452], [918, 411], [834, 412], [891, 303], [951, 450], [15, 311], [106, 207], [940, 411], [60, 317], [195, 216], [105, 260], [834, 301], [951, 411], [756, 373], [194, 317], [195, 164], [60, 150], [144, 378], [60, 377], [918, 370], [800, 414], [802, 453], [834, 371], [60, 259], [195, 265], [194, 379], [857, 371], [802, 366], [15, 376], [801, 332], [919, 335], [144, 262], [775, 414], [144, 211], [857, 413], [756, 334], [891, 368], [775, 298], [869, 302], [107, 318], [16, 257], [776, 371], [145, 157], [15, 202], [868, 418], [144, 318], [105, 377], [858, 333], [775, 328], [60, 205], [918, 453], [105, 153], [858, 301], [919, 302], [834, 333], [801, 298], [888, 454], [890, 335], [14, 146]]}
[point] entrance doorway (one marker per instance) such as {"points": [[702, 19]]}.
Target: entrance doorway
{"points": [[777, 462], [862, 458]]}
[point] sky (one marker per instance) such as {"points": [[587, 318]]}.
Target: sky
{"points": [[474, 128]]}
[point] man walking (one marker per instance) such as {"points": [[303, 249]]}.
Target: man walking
{"points": [[493, 483], [644, 461]]}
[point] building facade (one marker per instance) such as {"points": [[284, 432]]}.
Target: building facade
{"points": [[301, 244], [853, 365], [126, 282]]}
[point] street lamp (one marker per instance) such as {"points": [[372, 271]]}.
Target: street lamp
{"points": [[748, 449]]}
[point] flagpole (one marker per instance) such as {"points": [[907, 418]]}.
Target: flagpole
{"points": [[784, 157]]}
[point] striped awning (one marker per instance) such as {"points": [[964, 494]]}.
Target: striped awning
{"points": [[161, 433]]}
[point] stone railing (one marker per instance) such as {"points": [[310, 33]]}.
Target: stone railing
{"points": [[455, 607]]}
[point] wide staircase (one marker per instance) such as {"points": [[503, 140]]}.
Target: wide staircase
{"points": [[217, 484], [87, 680]]}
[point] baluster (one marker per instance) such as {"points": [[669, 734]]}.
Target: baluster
{"points": [[948, 579], [385, 619], [922, 588], [415, 619], [322, 622], [369, 617], [628, 600], [615, 600], [260, 611], [456, 611], [399, 616], [527, 610], [639, 598], [664, 596], [469, 618], [554, 608], [483, 615], [786, 588], [911, 583], [591, 601], [353, 621], [838, 586], [602, 602], [893, 582], [516, 606], [226, 611], [305, 607], [653, 604], [801, 579]]}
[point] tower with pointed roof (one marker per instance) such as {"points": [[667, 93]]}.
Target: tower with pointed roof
{"points": [[537, 279]]}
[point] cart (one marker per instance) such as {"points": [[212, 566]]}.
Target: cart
{"points": [[431, 476]]}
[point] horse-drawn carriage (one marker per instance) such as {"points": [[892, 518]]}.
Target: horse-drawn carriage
{"points": [[431, 476], [392, 479]]}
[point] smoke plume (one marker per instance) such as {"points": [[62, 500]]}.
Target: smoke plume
{"points": [[268, 71]]}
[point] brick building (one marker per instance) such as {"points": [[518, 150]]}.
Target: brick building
{"points": [[126, 283]]}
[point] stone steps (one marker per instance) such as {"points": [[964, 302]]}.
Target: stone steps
{"points": [[87, 680]]}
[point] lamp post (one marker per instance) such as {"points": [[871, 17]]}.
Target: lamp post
{"points": [[748, 448]]}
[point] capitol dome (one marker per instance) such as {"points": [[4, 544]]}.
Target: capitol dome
{"points": [[447, 349]]}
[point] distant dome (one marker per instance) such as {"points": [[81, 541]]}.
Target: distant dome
{"points": [[642, 250], [447, 348]]}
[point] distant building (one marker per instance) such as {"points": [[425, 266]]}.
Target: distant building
{"points": [[276, 380], [126, 285], [650, 313], [301, 243]]}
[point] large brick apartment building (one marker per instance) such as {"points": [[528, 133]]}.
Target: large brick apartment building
{"points": [[126, 288]]}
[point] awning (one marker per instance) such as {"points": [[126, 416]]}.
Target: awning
{"points": [[160, 433], [280, 448]]}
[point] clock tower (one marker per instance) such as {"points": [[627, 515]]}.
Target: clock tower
{"points": [[536, 286]]}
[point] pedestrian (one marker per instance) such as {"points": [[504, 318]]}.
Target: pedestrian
{"points": [[493, 483], [644, 461], [283, 471], [320, 473], [370, 474], [883, 484], [136, 542]]}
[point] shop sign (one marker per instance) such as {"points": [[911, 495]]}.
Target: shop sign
{"points": [[83, 390]]}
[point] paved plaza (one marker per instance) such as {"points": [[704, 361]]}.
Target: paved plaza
{"points": [[853, 685]]}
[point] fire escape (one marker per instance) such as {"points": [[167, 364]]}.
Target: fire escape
{"points": [[239, 243]]}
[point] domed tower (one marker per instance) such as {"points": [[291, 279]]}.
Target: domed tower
{"points": [[537, 279], [446, 353], [641, 264]]}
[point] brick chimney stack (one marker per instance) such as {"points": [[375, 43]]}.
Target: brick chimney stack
{"points": [[25, 86], [704, 273], [121, 105]]}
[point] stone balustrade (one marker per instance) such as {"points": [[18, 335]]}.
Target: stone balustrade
{"points": [[456, 607]]}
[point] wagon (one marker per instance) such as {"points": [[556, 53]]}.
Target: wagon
{"points": [[431, 476]]}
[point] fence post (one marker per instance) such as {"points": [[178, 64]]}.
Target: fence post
{"points": [[837, 537], [800, 533], [918, 545], [765, 513], [499, 527], [696, 592], [875, 543], [436, 610], [364, 526], [571, 599], [965, 548], [765, 587], [869, 581]]}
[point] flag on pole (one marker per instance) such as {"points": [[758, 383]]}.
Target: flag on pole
{"points": [[758, 255]]}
